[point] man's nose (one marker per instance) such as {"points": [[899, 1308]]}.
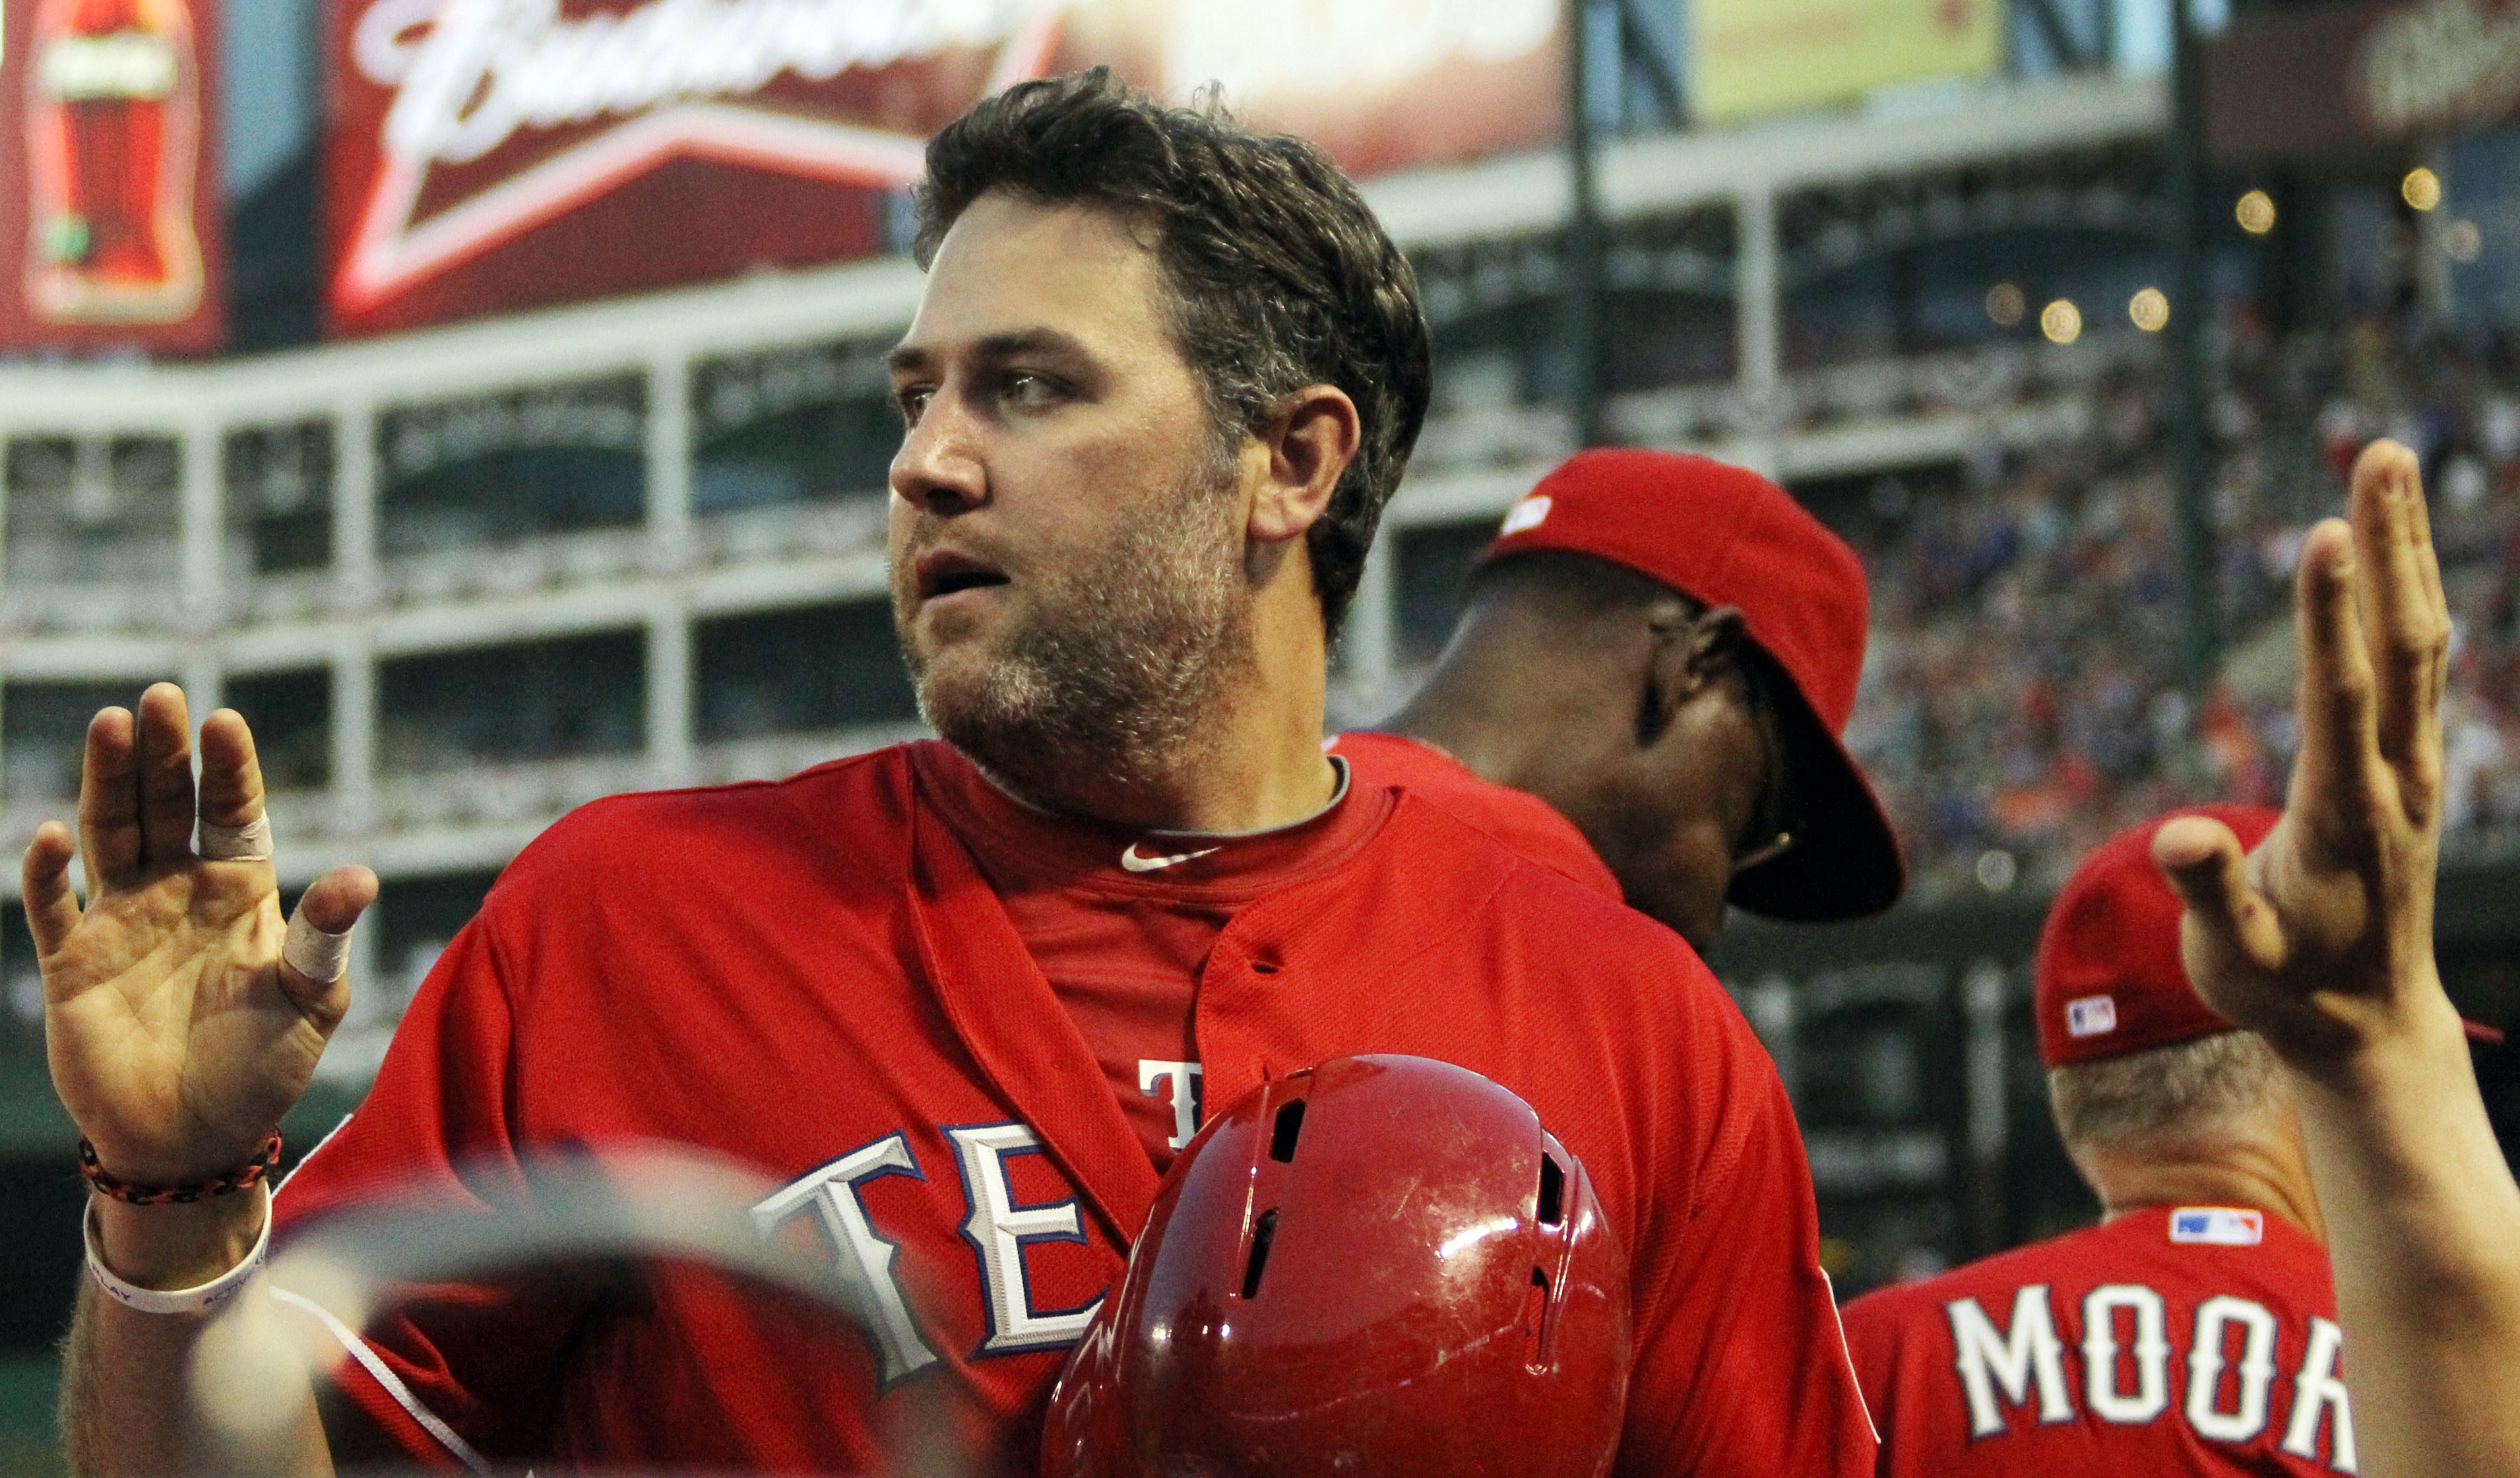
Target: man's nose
{"points": [[939, 469]]}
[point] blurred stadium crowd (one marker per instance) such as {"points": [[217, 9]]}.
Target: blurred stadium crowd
{"points": [[2022, 696]]}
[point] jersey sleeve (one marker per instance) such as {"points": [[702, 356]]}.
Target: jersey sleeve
{"points": [[1741, 1366], [455, 1374]]}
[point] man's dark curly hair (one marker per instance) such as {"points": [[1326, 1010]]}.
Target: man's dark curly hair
{"points": [[1280, 276]]}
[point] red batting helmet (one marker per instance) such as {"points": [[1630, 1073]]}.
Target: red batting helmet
{"points": [[1382, 1266]]}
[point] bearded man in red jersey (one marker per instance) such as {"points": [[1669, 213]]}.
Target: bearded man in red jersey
{"points": [[960, 1002]]}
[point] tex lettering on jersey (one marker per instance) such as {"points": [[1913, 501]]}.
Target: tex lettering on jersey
{"points": [[2223, 1385], [997, 1227], [1179, 1084]]}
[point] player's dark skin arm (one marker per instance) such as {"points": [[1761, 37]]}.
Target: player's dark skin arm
{"points": [[177, 1037], [2322, 942]]}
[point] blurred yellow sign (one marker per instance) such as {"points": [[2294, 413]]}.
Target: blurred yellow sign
{"points": [[1752, 57]]}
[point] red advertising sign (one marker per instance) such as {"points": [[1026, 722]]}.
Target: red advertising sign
{"points": [[110, 230], [492, 154]]}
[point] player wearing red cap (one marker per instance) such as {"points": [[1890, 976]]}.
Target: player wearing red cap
{"points": [[1663, 649], [2194, 1329], [961, 1000]]}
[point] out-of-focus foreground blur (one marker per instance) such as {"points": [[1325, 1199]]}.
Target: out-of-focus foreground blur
{"points": [[502, 442]]}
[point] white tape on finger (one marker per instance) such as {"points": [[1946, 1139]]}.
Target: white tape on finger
{"points": [[321, 957], [251, 842]]}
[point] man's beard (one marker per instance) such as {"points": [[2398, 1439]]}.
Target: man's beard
{"points": [[1120, 678]]}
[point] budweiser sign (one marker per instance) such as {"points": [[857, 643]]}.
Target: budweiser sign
{"points": [[622, 91], [2443, 63], [493, 153], [2307, 81]]}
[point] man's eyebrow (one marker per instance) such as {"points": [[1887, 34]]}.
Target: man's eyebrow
{"points": [[1046, 342], [1051, 343]]}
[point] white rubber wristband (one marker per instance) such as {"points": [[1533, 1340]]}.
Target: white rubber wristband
{"points": [[195, 1300], [316, 954], [251, 842]]}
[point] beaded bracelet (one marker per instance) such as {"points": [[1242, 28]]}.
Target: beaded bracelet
{"points": [[107, 1183]]}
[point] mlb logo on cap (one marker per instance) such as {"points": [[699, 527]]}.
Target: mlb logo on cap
{"points": [[2218, 1226], [2110, 980], [1524, 516], [2091, 1015]]}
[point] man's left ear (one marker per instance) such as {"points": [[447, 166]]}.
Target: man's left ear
{"points": [[1718, 636], [1310, 444], [1692, 649]]}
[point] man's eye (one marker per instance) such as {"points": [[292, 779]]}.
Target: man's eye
{"points": [[1027, 389], [910, 402]]}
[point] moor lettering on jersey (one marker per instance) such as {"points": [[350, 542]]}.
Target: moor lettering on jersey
{"points": [[2149, 1349], [2317, 1392], [2247, 1417], [1986, 1362], [2125, 1354], [999, 1229], [866, 1259]]}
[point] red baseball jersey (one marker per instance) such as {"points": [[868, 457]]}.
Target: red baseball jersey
{"points": [[2197, 1339], [814, 978], [1524, 824], [1121, 924]]}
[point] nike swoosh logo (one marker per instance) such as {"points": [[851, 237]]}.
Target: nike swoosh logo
{"points": [[1130, 859]]}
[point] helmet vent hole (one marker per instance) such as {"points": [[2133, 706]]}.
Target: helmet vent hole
{"points": [[1535, 1311], [1261, 1236], [1553, 1192], [1282, 1137]]}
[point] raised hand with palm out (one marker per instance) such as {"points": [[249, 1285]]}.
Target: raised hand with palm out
{"points": [[178, 1034]]}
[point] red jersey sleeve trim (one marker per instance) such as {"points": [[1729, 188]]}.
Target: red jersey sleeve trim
{"points": [[384, 1396]]}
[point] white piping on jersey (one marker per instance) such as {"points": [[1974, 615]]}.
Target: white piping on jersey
{"points": [[375, 1366], [283, 1184], [367, 1359], [1846, 1353]]}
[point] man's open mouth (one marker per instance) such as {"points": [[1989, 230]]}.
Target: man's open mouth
{"points": [[942, 572]]}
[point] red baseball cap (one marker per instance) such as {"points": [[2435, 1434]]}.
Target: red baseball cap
{"points": [[1724, 535], [2110, 979]]}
